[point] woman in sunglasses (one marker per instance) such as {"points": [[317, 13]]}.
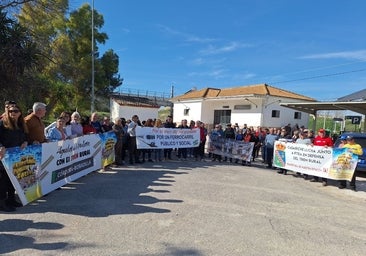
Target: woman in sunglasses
{"points": [[13, 132]]}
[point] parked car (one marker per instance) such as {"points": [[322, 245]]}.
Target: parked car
{"points": [[360, 138]]}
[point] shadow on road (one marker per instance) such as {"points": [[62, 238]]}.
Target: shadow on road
{"points": [[11, 242], [110, 192]]}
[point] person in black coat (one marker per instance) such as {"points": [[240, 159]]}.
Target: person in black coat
{"points": [[13, 132]]}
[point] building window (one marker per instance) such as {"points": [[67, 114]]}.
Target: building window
{"points": [[297, 115], [243, 107], [186, 112], [222, 116], [276, 113]]}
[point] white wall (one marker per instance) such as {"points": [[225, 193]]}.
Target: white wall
{"points": [[286, 116], [195, 112], [260, 113], [128, 111], [250, 116]]}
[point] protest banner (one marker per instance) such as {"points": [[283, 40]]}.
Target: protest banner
{"points": [[152, 137], [39, 169], [325, 162], [231, 148], [108, 141]]}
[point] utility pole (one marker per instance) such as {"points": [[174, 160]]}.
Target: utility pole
{"points": [[172, 91], [171, 96], [92, 78]]}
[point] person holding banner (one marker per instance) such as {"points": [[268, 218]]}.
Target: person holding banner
{"points": [[182, 152], [168, 151], [148, 152], [118, 147], [132, 147], [35, 125], [215, 137], [285, 136], [67, 127], [76, 127], [303, 139], [13, 133], [324, 141], [229, 133], [8, 103], [158, 151], [94, 121], [87, 127], [269, 142], [200, 150], [355, 148], [58, 132]]}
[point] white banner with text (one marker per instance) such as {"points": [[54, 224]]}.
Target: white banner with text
{"points": [[39, 169], [231, 148], [152, 137], [325, 162]]}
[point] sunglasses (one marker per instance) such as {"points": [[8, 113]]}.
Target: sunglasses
{"points": [[14, 111], [10, 102]]}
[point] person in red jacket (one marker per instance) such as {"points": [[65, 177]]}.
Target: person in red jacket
{"points": [[325, 141]]}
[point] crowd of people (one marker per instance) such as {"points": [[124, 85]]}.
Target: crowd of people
{"points": [[17, 129], [264, 141]]}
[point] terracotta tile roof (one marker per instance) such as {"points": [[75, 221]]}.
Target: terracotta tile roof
{"points": [[251, 90]]}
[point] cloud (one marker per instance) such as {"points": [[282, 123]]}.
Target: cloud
{"points": [[198, 61], [357, 55], [186, 36], [207, 61], [216, 74], [125, 30], [244, 76], [230, 47]]}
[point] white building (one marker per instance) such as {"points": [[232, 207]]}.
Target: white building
{"points": [[254, 105], [127, 105]]}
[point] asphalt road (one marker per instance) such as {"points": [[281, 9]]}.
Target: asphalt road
{"points": [[190, 208]]}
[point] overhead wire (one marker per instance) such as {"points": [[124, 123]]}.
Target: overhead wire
{"points": [[319, 76]]}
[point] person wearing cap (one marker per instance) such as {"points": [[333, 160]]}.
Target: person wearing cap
{"points": [[35, 124], [324, 141], [355, 148]]}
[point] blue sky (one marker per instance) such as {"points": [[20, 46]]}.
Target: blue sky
{"points": [[314, 48]]}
